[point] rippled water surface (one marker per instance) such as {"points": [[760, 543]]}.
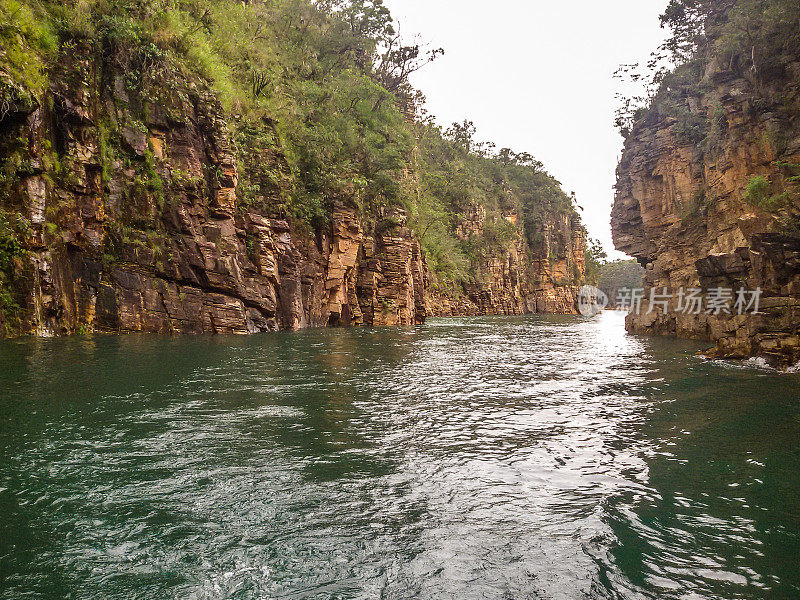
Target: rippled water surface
{"points": [[537, 457]]}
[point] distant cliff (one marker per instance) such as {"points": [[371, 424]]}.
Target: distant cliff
{"points": [[707, 187], [522, 278], [247, 168]]}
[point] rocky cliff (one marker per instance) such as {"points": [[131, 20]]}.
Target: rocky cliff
{"points": [[127, 209], [520, 279], [707, 197], [133, 220]]}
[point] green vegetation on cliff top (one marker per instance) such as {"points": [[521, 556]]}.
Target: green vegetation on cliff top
{"points": [[747, 38], [323, 82]]}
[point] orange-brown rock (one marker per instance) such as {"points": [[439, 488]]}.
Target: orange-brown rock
{"points": [[683, 210], [519, 279], [160, 216], [153, 236]]}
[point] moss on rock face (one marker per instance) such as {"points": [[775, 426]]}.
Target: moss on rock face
{"points": [[11, 249], [27, 44]]}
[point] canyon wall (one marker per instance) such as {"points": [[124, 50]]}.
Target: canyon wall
{"points": [[707, 198], [133, 222], [153, 214], [520, 279]]}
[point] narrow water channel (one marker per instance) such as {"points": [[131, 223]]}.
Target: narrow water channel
{"points": [[536, 457]]}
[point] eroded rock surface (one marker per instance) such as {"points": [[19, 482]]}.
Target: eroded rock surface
{"points": [[523, 279], [147, 231], [149, 211], [684, 211]]}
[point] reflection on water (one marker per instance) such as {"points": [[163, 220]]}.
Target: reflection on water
{"points": [[537, 457]]}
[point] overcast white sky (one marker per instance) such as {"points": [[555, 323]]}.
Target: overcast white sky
{"points": [[536, 76]]}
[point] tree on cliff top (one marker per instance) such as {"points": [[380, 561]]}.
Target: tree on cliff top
{"points": [[692, 23]]}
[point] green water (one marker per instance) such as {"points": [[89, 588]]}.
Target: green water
{"points": [[537, 457]]}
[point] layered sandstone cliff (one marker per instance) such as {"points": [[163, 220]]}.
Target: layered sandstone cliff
{"points": [[134, 222], [155, 214], [520, 279], [707, 197]]}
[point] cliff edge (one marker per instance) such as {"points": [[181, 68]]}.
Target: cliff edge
{"points": [[246, 167], [707, 191]]}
